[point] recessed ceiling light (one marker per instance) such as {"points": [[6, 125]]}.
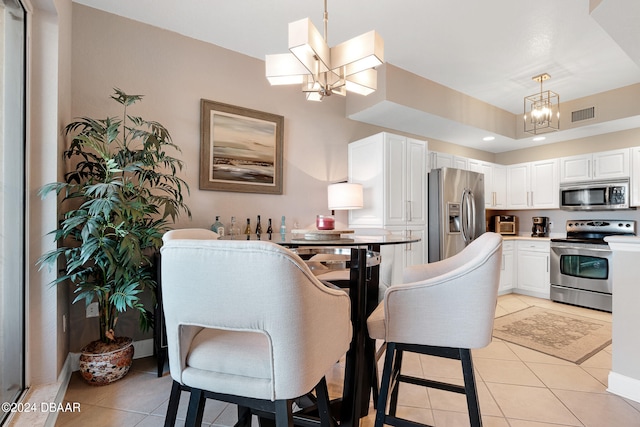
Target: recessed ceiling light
{"points": [[539, 138], [488, 138]]}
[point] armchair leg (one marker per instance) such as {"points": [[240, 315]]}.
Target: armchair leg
{"points": [[284, 414], [384, 386], [470, 388], [172, 408], [322, 393], [196, 408], [244, 417], [395, 384]]}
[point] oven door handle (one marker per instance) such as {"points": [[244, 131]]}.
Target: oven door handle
{"points": [[580, 248]]}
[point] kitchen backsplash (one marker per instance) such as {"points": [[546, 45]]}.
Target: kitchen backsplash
{"points": [[560, 217]]}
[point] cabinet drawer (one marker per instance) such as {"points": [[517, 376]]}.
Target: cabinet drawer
{"points": [[531, 245], [508, 245]]}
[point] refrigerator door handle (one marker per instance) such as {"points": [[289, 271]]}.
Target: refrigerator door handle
{"points": [[472, 206], [466, 220]]}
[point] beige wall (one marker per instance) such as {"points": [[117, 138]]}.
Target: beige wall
{"points": [[174, 72], [609, 141]]}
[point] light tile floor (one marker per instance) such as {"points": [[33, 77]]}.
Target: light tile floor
{"points": [[517, 387]]}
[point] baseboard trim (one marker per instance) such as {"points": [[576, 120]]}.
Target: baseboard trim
{"points": [[41, 397], [624, 386], [143, 348]]}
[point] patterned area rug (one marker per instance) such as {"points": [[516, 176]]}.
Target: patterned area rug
{"points": [[563, 335]]}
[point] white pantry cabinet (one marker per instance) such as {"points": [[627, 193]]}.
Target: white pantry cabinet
{"points": [[393, 172], [532, 268], [602, 165]]}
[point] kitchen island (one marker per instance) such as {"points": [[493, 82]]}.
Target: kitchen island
{"points": [[624, 378]]}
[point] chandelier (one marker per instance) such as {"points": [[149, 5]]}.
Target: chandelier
{"points": [[321, 70], [542, 110]]}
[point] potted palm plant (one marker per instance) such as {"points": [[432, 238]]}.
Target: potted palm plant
{"points": [[118, 199]]}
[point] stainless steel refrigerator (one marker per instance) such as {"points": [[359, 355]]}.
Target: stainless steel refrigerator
{"points": [[456, 211]]}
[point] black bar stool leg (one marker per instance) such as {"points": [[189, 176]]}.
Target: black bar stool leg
{"points": [[395, 384], [470, 388], [196, 408], [172, 408]]}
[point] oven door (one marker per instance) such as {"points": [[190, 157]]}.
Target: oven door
{"points": [[581, 266]]}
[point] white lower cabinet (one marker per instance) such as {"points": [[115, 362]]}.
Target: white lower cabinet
{"points": [[507, 268], [532, 268]]}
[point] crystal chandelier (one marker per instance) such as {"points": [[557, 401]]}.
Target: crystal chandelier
{"points": [[542, 110], [321, 70]]}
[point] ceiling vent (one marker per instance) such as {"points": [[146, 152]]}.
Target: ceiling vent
{"points": [[584, 114]]}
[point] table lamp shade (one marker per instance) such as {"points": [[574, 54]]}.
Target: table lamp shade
{"points": [[344, 196]]}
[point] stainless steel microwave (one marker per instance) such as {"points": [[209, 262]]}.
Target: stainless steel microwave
{"points": [[595, 195]]}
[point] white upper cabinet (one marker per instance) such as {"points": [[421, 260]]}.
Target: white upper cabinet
{"points": [[603, 165], [393, 172], [533, 185], [446, 160], [635, 176], [495, 183], [545, 184]]}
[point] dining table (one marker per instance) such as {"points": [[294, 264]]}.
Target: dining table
{"points": [[363, 265]]}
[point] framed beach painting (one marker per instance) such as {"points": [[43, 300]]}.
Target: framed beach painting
{"points": [[240, 149]]}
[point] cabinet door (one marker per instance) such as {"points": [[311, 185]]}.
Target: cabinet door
{"points": [[416, 181], [415, 253], [533, 269], [366, 167], [440, 160], [635, 176], [518, 193], [396, 179], [487, 170], [575, 168], [611, 164], [545, 185], [507, 269], [499, 187], [460, 163]]}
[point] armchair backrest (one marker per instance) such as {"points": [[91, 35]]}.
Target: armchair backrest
{"points": [[254, 286], [449, 303]]}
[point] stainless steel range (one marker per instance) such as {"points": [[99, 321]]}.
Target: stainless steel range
{"points": [[581, 262]]}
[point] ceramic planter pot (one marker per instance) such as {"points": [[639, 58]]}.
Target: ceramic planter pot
{"points": [[102, 366]]}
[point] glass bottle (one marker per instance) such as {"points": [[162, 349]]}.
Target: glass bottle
{"points": [[269, 228], [283, 227], [233, 228], [247, 229], [218, 227], [258, 226]]}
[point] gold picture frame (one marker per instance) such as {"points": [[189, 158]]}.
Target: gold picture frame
{"points": [[240, 149]]}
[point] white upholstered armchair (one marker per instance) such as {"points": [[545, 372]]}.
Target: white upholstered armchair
{"points": [[247, 320], [444, 309]]}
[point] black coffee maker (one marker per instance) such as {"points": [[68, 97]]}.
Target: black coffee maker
{"points": [[540, 226]]}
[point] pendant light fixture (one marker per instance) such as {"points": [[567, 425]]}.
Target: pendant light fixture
{"points": [[321, 70], [542, 110]]}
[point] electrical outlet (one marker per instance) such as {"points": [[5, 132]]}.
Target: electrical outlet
{"points": [[92, 310]]}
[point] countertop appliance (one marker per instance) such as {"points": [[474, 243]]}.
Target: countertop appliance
{"points": [[456, 211], [581, 262], [504, 224], [595, 196], [540, 226]]}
